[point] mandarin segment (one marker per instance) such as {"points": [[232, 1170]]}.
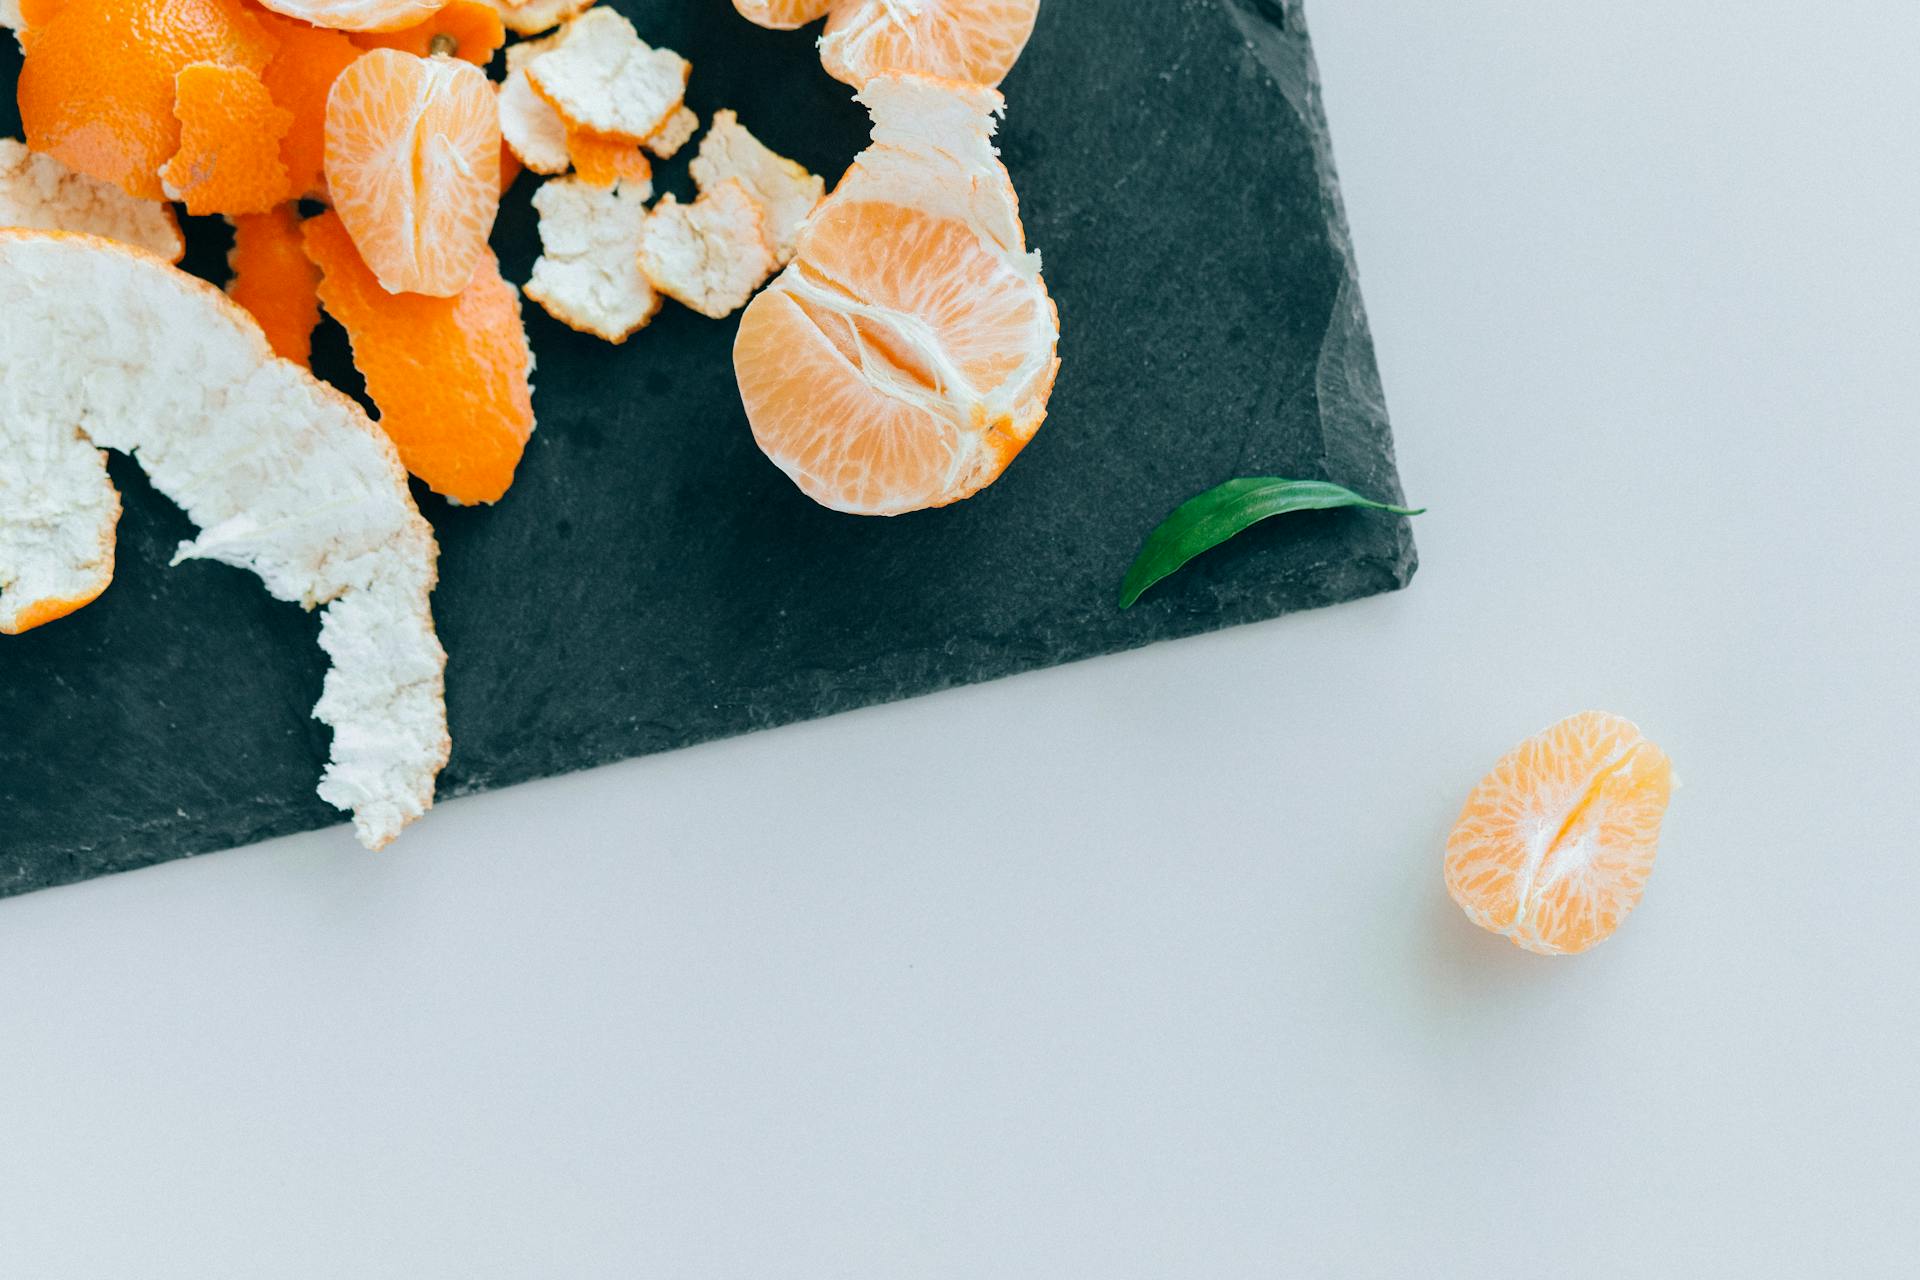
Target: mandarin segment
{"points": [[413, 167], [977, 41], [450, 375], [907, 354], [1554, 846], [783, 15], [230, 135], [96, 88], [275, 280], [357, 15], [466, 29]]}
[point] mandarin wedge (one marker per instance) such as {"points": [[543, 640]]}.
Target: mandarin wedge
{"points": [[104, 346], [783, 15], [1555, 845], [450, 375], [97, 86], [357, 15], [413, 166], [973, 40], [906, 355]]}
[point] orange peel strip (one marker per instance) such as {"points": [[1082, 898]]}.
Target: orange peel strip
{"points": [[230, 133]]}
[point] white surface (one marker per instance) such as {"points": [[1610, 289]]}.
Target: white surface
{"points": [[1143, 968]]}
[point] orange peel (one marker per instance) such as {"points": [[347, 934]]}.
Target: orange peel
{"points": [[588, 275], [528, 122], [466, 29], [451, 376], [39, 193], [709, 255], [602, 77], [230, 135], [675, 133], [275, 280], [281, 474], [300, 75], [96, 88], [784, 190]]}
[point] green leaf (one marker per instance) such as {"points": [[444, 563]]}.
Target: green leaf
{"points": [[1202, 523]]}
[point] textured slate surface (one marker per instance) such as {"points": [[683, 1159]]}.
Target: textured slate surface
{"points": [[651, 581]]}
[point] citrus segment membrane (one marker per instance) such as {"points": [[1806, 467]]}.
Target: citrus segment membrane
{"points": [[96, 88], [906, 355], [356, 15], [275, 281], [39, 193], [588, 275], [1554, 846], [413, 166], [281, 474], [451, 376], [603, 77], [977, 41], [709, 255], [230, 135], [784, 190]]}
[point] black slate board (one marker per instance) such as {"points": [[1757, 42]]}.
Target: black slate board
{"points": [[651, 581]]}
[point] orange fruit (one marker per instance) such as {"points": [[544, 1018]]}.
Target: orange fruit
{"points": [[97, 85], [783, 15], [275, 280], [466, 29], [230, 133], [413, 167], [1555, 845], [450, 375], [357, 15], [299, 76], [973, 40], [906, 354]]}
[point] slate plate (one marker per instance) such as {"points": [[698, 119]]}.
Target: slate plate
{"points": [[651, 581]]}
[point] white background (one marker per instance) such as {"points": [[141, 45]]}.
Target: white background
{"points": [[1144, 967]]}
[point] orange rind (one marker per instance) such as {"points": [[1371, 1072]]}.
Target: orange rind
{"points": [[709, 255], [528, 123], [465, 29], [39, 193], [603, 78], [906, 355], [676, 133], [588, 276], [300, 75], [784, 190], [1554, 846], [602, 161], [282, 475], [275, 280], [413, 167], [451, 376], [230, 135], [96, 88]]}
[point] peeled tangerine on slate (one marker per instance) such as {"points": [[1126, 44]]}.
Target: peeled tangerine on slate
{"points": [[1555, 845]]}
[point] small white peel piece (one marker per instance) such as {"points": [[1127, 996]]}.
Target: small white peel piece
{"points": [[58, 511], [588, 275], [283, 476], [529, 125], [709, 255], [676, 133], [603, 77], [39, 193], [784, 190]]}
